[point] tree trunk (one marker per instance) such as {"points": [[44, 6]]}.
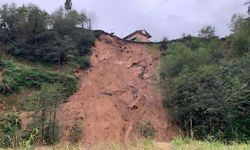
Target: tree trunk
{"points": [[59, 62], [191, 127], [43, 118], [2, 48], [54, 121]]}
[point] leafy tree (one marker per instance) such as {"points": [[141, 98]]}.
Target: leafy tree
{"points": [[83, 19], [206, 90], [207, 32], [236, 22], [45, 118], [38, 36], [10, 123], [68, 5], [248, 3], [64, 50], [241, 40], [164, 44]]}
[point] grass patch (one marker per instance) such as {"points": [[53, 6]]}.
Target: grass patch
{"points": [[189, 144], [21, 83], [147, 144], [17, 77], [16, 100]]}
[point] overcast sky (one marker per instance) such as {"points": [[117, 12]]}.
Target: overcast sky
{"points": [[161, 18]]}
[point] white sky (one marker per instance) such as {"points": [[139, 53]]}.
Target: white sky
{"points": [[161, 18]]}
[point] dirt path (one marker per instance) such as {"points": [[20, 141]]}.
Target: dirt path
{"points": [[116, 94]]}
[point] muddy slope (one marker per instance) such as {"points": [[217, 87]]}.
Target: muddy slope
{"points": [[116, 94]]}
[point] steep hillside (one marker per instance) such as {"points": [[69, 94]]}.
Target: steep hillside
{"points": [[117, 95]]}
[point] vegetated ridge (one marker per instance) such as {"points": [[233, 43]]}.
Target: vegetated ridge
{"points": [[117, 95]]}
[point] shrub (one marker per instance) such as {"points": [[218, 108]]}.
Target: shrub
{"points": [[241, 39], [52, 134], [84, 62], [75, 134], [9, 125], [17, 77], [49, 134], [147, 130]]}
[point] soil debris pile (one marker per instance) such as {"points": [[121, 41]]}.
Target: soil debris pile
{"points": [[117, 93]]}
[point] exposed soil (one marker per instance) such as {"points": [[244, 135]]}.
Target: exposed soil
{"points": [[117, 93]]}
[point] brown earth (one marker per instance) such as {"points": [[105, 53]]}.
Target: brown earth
{"points": [[117, 93]]}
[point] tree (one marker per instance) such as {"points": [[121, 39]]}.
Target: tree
{"points": [[236, 22], [37, 36], [65, 22], [248, 3], [83, 19], [164, 44], [63, 50], [68, 5], [89, 24], [48, 97], [207, 32], [72, 19]]}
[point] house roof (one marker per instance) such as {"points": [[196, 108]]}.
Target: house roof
{"points": [[142, 32]]}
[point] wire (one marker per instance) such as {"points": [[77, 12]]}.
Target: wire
{"points": [[132, 11], [151, 11]]}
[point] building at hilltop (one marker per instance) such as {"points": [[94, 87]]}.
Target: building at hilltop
{"points": [[139, 36]]}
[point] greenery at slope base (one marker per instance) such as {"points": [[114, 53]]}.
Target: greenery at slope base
{"points": [[149, 144], [206, 83], [47, 91]]}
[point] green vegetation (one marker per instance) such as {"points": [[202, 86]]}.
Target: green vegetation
{"points": [[207, 86], [50, 89], [58, 38], [205, 80], [207, 32], [147, 144], [75, 133], [147, 130], [17, 77], [29, 81], [9, 125], [189, 144]]}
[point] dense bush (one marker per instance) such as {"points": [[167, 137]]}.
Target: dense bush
{"points": [[17, 77], [147, 129], [45, 102], [10, 123], [75, 133], [241, 40], [84, 62], [51, 90], [207, 89], [48, 134]]}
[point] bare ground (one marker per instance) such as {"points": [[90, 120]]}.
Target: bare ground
{"points": [[117, 93]]}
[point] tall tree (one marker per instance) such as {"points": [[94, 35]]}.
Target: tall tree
{"points": [[68, 5], [207, 32], [237, 22], [83, 19], [248, 3], [164, 44]]}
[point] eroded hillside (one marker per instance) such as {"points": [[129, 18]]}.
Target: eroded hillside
{"points": [[116, 95]]}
